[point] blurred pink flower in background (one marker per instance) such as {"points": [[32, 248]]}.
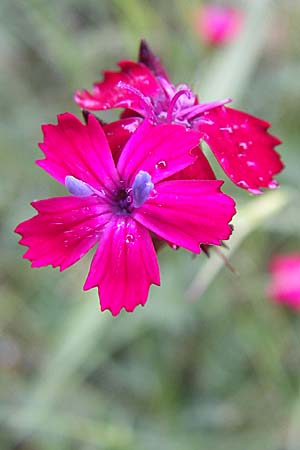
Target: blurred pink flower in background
{"points": [[284, 286], [218, 25]]}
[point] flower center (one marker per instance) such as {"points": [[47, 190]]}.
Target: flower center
{"points": [[171, 109], [124, 200], [134, 197], [145, 102]]}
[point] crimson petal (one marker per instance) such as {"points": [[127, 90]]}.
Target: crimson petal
{"points": [[64, 229], [109, 94], [118, 133], [124, 266], [188, 213], [242, 146], [200, 169], [82, 151], [161, 150]]}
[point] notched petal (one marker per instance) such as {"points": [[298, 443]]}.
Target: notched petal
{"points": [[124, 266], [242, 146], [188, 213], [109, 94], [64, 229]]}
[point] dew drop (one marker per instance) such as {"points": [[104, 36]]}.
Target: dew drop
{"points": [[131, 127], [129, 238], [174, 247], [273, 184], [228, 129], [153, 194], [254, 191], [251, 163], [243, 145], [161, 164], [242, 184]]}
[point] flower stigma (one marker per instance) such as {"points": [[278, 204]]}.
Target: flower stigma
{"points": [[77, 187], [141, 188]]}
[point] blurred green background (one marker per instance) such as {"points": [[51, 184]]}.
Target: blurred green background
{"points": [[209, 363]]}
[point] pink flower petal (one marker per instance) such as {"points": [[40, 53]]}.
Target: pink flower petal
{"points": [[242, 146], [64, 229], [82, 151], [160, 150], [284, 285], [200, 169], [118, 133], [218, 25], [188, 213], [124, 266], [108, 94]]}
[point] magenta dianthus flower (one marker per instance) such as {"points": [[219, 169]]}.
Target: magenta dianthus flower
{"points": [[218, 25], [239, 141], [122, 206], [284, 286]]}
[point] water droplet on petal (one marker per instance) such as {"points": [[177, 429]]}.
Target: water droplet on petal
{"points": [[228, 129], [161, 164], [273, 184], [254, 191], [243, 145], [251, 163], [129, 238], [242, 184], [153, 193]]}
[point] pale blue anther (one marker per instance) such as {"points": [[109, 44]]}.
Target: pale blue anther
{"points": [[77, 187], [141, 188]]}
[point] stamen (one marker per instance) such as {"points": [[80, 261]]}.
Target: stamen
{"points": [[174, 101], [141, 188], [168, 88], [146, 104], [78, 187], [81, 189], [193, 111]]}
